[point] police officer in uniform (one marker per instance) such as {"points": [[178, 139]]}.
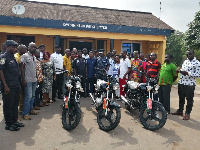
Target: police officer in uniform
{"points": [[80, 68], [10, 77], [102, 63]]}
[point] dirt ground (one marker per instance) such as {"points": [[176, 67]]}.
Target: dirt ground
{"points": [[45, 131]]}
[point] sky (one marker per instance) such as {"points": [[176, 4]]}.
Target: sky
{"points": [[176, 13]]}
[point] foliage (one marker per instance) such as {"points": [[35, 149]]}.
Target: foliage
{"points": [[192, 38], [175, 46]]}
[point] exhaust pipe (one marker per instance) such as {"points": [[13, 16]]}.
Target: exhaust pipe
{"points": [[124, 99], [92, 97]]}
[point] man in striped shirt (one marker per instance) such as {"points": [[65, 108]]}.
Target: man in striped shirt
{"points": [[153, 66]]}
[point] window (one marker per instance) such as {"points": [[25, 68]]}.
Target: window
{"points": [[131, 47]]}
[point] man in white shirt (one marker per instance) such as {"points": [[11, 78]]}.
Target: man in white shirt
{"points": [[188, 73], [111, 64], [85, 53], [57, 60], [41, 49], [124, 70]]}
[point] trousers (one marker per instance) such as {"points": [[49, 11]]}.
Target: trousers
{"points": [[57, 86], [186, 91], [164, 96], [10, 105]]}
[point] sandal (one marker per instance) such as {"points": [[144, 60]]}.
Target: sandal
{"points": [[45, 103], [32, 112], [26, 117], [49, 101]]}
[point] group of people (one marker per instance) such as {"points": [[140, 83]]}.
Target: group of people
{"points": [[29, 75]]}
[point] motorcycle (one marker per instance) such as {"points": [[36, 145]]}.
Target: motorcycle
{"points": [[71, 111], [143, 96], [108, 111]]}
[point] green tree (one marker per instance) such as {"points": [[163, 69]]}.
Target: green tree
{"points": [[192, 38], [175, 46]]}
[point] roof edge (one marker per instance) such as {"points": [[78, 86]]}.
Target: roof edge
{"points": [[85, 6], [60, 24]]}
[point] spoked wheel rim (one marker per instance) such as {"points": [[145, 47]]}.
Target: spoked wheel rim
{"points": [[71, 117], [155, 118], [110, 117], [111, 120]]}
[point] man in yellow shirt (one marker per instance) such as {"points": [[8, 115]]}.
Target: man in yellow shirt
{"points": [[66, 60], [67, 66], [21, 49]]}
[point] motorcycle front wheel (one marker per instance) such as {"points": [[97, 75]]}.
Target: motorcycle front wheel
{"points": [[71, 116], [111, 120], [153, 119]]}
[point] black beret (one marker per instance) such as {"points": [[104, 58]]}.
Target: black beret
{"points": [[101, 50], [57, 46], [11, 43], [42, 45]]}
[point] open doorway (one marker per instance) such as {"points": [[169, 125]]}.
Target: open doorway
{"points": [[80, 45]]}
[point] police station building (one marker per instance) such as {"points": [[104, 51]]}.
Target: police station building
{"points": [[82, 27]]}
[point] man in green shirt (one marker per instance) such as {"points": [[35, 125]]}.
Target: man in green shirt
{"points": [[167, 76]]}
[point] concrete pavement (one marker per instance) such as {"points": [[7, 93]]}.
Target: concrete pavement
{"points": [[45, 132]]}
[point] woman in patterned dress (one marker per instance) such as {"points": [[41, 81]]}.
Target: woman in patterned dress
{"points": [[48, 75]]}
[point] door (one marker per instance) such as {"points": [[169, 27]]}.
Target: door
{"points": [[79, 45]]}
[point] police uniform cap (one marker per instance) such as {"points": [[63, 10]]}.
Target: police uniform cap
{"points": [[101, 50], [42, 45], [57, 46], [11, 43]]}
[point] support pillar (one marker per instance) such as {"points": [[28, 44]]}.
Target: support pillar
{"points": [[57, 40], [111, 44]]}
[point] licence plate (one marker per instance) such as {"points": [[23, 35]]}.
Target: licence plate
{"points": [[104, 103], [149, 103], [66, 102]]}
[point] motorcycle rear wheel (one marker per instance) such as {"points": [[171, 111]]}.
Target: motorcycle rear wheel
{"points": [[71, 116], [153, 119], [109, 122]]}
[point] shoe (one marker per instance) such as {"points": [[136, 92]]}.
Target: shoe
{"points": [[54, 100], [12, 127], [32, 112], [26, 117], [41, 105], [45, 103], [49, 101], [18, 124], [186, 117], [36, 108], [177, 113]]}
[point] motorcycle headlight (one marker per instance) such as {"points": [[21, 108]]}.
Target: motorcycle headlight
{"points": [[68, 85], [149, 88], [157, 87], [116, 86], [78, 85], [103, 86]]}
